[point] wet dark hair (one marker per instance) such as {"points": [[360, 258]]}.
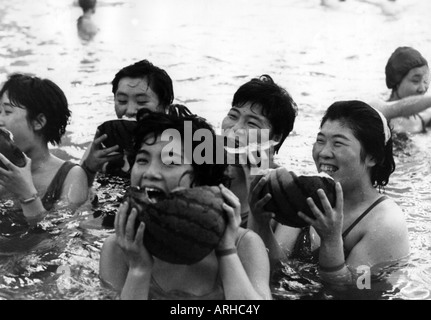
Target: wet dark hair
{"points": [[277, 104], [367, 126], [154, 123], [158, 80], [401, 61], [87, 4], [40, 96]]}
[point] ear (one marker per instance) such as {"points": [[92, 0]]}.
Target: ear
{"points": [[276, 138], [370, 161], [39, 122]]}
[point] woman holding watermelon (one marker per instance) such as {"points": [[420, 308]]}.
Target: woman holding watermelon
{"points": [[237, 267], [365, 227]]}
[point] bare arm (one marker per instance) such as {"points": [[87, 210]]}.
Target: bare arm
{"points": [[19, 182], [404, 107], [245, 270], [96, 156], [245, 275], [125, 263], [75, 187], [278, 242], [389, 244]]}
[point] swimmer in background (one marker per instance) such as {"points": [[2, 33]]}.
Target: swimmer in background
{"points": [[141, 85], [387, 7], [36, 112], [408, 109], [85, 24]]}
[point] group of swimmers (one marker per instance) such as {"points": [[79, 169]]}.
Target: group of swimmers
{"points": [[354, 146]]}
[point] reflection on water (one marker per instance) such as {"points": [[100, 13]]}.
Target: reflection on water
{"points": [[209, 48]]}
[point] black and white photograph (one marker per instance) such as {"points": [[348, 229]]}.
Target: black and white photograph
{"points": [[236, 150]]}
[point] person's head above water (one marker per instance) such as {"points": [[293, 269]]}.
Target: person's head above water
{"points": [[46, 104], [262, 104], [87, 5], [369, 127], [141, 85], [407, 73], [178, 120]]}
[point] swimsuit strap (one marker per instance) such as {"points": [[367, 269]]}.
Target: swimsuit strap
{"points": [[244, 219], [241, 236], [53, 192], [345, 233], [424, 128]]}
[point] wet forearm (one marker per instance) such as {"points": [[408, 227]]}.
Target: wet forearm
{"points": [[236, 283], [137, 285], [406, 107], [332, 264], [275, 251]]}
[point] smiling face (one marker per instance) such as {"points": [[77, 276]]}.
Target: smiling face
{"points": [[240, 120], [151, 173], [134, 94], [337, 152], [416, 82]]}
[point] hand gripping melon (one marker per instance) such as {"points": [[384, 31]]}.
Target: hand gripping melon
{"points": [[184, 227], [289, 193], [10, 150], [120, 132]]}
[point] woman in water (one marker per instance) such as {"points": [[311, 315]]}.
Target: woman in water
{"points": [[365, 228], [237, 269], [36, 112], [407, 75]]}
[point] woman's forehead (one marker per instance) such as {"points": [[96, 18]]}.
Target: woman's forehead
{"points": [[419, 71], [152, 141], [336, 127], [253, 110]]}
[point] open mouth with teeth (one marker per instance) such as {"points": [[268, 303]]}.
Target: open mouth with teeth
{"points": [[327, 168], [154, 195]]}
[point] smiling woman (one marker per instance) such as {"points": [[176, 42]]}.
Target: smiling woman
{"points": [[238, 268], [365, 227]]}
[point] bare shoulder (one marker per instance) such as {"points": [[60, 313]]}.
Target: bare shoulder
{"points": [[391, 211], [389, 218], [247, 236], [75, 174], [249, 241]]}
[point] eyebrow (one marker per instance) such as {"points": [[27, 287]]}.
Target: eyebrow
{"points": [[142, 151], [253, 116], [144, 94], [338, 135], [8, 104]]}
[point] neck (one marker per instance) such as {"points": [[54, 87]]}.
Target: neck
{"points": [[88, 13], [394, 96], [39, 160], [357, 195]]}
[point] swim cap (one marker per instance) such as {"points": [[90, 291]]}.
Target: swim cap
{"points": [[402, 60]]}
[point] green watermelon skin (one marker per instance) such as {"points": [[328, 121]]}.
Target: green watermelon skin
{"points": [[290, 192], [10, 150], [186, 226]]}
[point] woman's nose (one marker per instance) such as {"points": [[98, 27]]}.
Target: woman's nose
{"points": [[131, 110], [325, 151], [152, 172], [423, 87]]}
